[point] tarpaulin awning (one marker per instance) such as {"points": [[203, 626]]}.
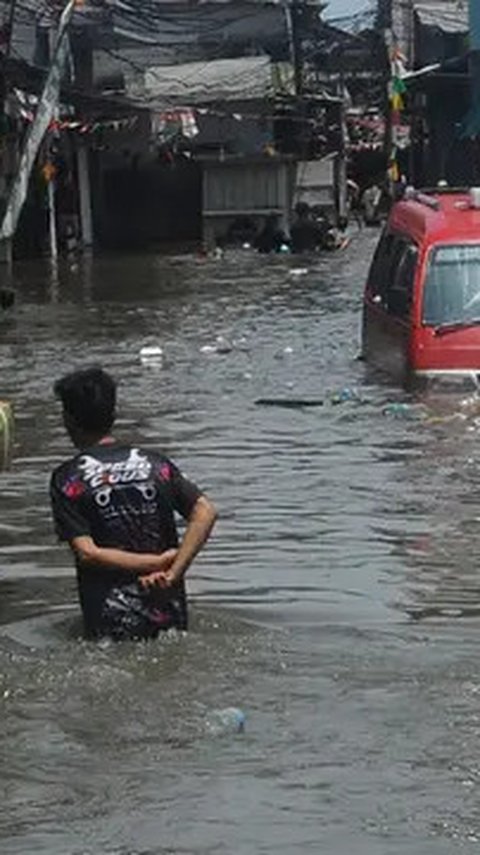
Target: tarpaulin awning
{"points": [[242, 79], [449, 16]]}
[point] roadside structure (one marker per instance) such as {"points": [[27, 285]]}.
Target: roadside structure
{"points": [[188, 114], [434, 101]]}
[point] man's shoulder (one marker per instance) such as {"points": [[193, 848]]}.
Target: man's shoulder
{"points": [[135, 454], [63, 469], [120, 449], [119, 456]]}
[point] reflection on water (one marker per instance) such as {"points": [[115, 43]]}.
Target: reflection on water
{"points": [[330, 607]]}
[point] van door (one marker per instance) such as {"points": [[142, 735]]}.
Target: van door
{"points": [[373, 332], [398, 305], [388, 301]]}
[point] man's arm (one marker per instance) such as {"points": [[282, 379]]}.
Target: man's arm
{"points": [[89, 554], [200, 523]]}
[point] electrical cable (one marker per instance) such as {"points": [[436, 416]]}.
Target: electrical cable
{"points": [[243, 78]]}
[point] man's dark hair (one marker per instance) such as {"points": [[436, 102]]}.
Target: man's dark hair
{"points": [[88, 397]]}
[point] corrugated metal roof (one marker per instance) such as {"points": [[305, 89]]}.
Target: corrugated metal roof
{"points": [[450, 16]]}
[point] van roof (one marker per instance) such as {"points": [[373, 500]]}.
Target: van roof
{"points": [[437, 217]]}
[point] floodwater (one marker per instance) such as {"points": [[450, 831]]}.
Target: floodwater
{"points": [[338, 604]]}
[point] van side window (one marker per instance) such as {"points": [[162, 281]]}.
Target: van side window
{"points": [[400, 291], [379, 270]]}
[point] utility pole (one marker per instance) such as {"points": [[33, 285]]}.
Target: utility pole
{"points": [[46, 107], [474, 22], [293, 14], [82, 49], [297, 7], [10, 150]]}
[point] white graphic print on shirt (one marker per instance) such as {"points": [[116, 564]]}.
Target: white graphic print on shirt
{"points": [[102, 476]]}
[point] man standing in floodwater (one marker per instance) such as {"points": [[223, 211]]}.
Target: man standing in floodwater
{"points": [[114, 504]]}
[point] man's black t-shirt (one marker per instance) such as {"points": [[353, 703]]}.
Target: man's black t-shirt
{"points": [[125, 498]]}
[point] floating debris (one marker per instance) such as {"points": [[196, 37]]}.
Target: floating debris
{"points": [[409, 412], [292, 403], [152, 354], [228, 720], [241, 344], [286, 351], [345, 395], [221, 346]]}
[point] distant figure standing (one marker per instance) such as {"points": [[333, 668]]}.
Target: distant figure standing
{"points": [[272, 238], [114, 504], [371, 205], [353, 201]]}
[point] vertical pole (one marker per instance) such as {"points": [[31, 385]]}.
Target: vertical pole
{"points": [[296, 12], [52, 222], [289, 23], [7, 254], [36, 131], [85, 195], [474, 24], [342, 169]]}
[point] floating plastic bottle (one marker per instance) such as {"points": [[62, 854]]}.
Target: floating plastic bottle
{"points": [[224, 721], [151, 353], [222, 345], [298, 271]]}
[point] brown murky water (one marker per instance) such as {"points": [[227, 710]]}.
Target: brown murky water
{"points": [[338, 604]]}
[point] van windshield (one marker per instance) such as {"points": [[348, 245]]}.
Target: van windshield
{"points": [[452, 286]]}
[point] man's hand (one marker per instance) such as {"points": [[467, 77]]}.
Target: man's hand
{"points": [[162, 579], [165, 561], [140, 563], [200, 523]]}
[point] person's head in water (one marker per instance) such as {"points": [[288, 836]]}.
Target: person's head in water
{"points": [[88, 397], [271, 223], [302, 210]]}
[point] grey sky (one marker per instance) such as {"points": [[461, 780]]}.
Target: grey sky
{"points": [[336, 8]]}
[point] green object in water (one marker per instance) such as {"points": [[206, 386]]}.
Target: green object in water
{"points": [[6, 433]]}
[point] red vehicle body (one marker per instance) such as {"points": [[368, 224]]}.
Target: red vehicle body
{"points": [[421, 315]]}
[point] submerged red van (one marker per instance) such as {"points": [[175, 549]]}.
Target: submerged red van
{"points": [[421, 313]]}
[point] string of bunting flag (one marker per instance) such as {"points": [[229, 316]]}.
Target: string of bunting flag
{"points": [[396, 96], [164, 123], [90, 127], [366, 132], [24, 105]]}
